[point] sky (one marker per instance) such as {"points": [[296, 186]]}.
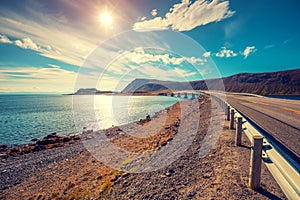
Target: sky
{"points": [[59, 46]]}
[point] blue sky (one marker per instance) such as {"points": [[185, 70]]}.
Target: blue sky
{"points": [[60, 45]]}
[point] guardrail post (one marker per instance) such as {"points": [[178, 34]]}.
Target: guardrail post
{"points": [[228, 113], [232, 119], [238, 136], [255, 162]]}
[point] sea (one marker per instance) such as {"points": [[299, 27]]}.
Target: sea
{"points": [[24, 117]]}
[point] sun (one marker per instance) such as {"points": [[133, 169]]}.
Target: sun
{"points": [[106, 18]]}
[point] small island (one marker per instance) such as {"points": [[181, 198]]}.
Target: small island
{"points": [[90, 91]]}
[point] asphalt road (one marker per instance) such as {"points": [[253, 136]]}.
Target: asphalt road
{"points": [[279, 117]]}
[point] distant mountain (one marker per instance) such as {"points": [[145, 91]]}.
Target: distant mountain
{"points": [[149, 85], [274, 83], [271, 83], [84, 91]]}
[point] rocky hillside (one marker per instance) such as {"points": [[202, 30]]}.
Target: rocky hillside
{"points": [[271, 83], [275, 83], [150, 85]]}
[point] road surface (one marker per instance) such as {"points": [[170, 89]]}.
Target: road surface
{"points": [[279, 117]]}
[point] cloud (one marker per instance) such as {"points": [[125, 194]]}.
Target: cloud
{"points": [[139, 63], [27, 43], [269, 46], [195, 61], [227, 53], [139, 56], [188, 15], [248, 50], [132, 60], [206, 54], [154, 12], [164, 73], [233, 28], [35, 79], [4, 39], [52, 36]]}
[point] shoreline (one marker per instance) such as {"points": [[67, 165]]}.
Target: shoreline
{"points": [[60, 158], [63, 133], [54, 140], [71, 172]]}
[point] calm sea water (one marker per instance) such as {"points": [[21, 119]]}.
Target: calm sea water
{"points": [[24, 117]]}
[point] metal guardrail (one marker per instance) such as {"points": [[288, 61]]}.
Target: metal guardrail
{"points": [[283, 172]]}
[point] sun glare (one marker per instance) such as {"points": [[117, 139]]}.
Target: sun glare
{"points": [[106, 19]]}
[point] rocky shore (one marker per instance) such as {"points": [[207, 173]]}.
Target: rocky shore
{"points": [[57, 167], [48, 142]]}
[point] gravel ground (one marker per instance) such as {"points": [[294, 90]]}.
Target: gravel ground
{"points": [[70, 172], [222, 174]]}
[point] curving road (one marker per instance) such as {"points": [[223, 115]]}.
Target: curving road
{"points": [[278, 117]]}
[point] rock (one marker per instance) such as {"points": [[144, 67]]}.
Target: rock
{"points": [[192, 194], [52, 135], [164, 143], [38, 148], [170, 172], [3, 156], [3, 147], [27, 149], [15, 151], [44, 142], [115, 178], [48, 142], [75, 136], [66, 139], [126, 174]]}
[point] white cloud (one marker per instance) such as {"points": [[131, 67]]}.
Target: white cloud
{"points": [[154, 12], [34, 79], [248, 50], [53, 37], [227, 53], [206, 54], [140, 57], [4, 39], [27, 43], [195, 61], [186, 16], [165, 73], [269, 46], [141, 64], [145, 58]]}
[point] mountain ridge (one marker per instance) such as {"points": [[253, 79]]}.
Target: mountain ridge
{"points": [[285, 82]]}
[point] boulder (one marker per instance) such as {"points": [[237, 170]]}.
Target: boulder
{"points": [[3, 156], [3, 147]]}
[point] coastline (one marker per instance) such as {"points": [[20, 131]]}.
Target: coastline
{"points": [[71, 172], [37, 116], [53, 140]]}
